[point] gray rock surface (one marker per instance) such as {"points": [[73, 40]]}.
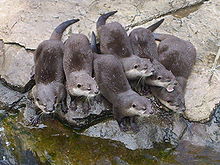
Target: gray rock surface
{"points": [[33, 21], [84, 113], [157, 129], [205, 134], [9, 98], [15, 66], [2, 53]]}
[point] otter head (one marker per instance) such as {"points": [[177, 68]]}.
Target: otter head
{"points": [[48, 96], [162, 77], [173, 100], [136, 67], [135, 105], [82, 84]]}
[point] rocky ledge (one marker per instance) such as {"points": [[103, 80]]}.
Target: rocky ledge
{"points": [[25, 27]]}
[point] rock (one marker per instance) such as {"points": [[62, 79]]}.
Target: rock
{"points": [[103, 162], [203, 87], [154, 130], [205, 134], [9, 98], [2, 53], [118, 161], [205, 96], [84, 113], [33, 21], [16, 67]]}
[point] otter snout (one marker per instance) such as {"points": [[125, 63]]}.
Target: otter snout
{"points": [[96, 92], [50, 109]]}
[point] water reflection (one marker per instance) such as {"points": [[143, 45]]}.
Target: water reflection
{"points": [[57, 144]]}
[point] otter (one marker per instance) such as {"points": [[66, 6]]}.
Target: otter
{"points": [[172, 100], [114, 40], [144, 46], [114, 86], [143, 42], [49, 74], [78, 67], [161, 77], [176, 55]]}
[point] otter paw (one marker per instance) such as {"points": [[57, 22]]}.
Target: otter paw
{"points": [[64, 108], [134, 125], [123, 125], [35, 120]]}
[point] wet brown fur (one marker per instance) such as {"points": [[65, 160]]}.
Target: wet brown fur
{"points": [[114, 40], [176, 54], [144, 46], [49, 74], [115, 87], [78, 65]]}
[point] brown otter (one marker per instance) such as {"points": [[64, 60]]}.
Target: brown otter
{"points": [[143, 43], [114, 86], [49, 75], [176, 55], [78, 66], [173, 100], [144, 46], [114, 40]]}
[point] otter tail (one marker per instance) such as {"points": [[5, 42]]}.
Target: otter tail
{"points": [[93, 43], [58, 32], [155, 25], [161, 37], [102, 19]]}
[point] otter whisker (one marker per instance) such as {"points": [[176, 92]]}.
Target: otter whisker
{"points": [[88, 99], [36, 119], [139, 80]]}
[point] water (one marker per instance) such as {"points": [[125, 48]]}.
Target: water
{"points": [[56, 144]]}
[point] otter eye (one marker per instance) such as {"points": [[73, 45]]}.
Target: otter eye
{"points": [[159, 78], [135, 66], [133, 105], [169, 101], [38, 99], [79, 85]]}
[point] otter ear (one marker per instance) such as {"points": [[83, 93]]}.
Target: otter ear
{"points": [[155, 25]]}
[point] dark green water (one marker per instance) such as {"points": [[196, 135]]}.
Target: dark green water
{"points": [[59, 145]]}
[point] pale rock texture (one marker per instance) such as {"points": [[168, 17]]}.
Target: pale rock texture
{"points": [[16, 66], [33, 21]]}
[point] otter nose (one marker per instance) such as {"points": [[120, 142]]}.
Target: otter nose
{"points": [[89, 89], [96, 92], [50, 109]]}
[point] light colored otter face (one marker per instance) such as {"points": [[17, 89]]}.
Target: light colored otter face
{"points": [[136, 67], [162, 78], [138, 105], [173, 100], [82, 85], [45, 97]]}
